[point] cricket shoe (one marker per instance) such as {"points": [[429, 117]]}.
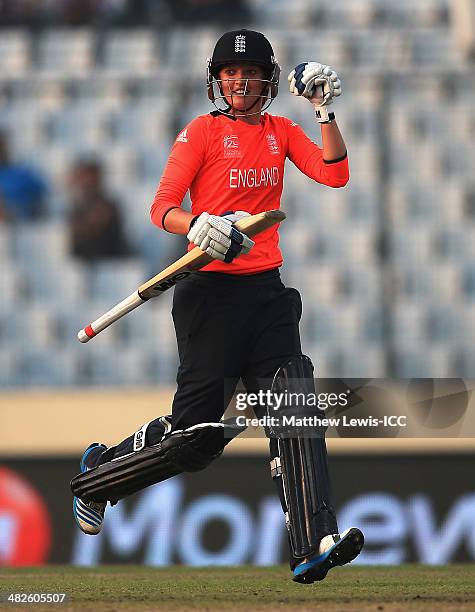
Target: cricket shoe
{"points": [[89, 515], [336, 549]]}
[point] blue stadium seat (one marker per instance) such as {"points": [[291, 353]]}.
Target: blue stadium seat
{"points": [[13, 286], [15, 52], [408, 324], [8, 365], [143, 124], [360, 284], [107, 368], [80, 125], [49, 279], [120, 166], [297, 15], [442, 325], [30, 116], [112, 281], [424, 362], [45, 242], [44, 368], [468, 282], [161, 367], [464, 363], [66, 52], [188, 53], [130, 52], [359, 362]]}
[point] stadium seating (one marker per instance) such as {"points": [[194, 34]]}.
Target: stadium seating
{"points": [[385, 266], [15, 53], [66, 53]]}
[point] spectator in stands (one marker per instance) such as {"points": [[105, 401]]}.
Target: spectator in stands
{"points": [[22, 189], [95, 220]]}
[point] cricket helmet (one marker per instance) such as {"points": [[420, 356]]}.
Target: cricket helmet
{"points": [[243, 47]]}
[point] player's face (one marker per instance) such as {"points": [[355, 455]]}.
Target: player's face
{"points": [[242, 87]]}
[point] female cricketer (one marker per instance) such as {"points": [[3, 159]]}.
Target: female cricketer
{"points": [[235, 319]]}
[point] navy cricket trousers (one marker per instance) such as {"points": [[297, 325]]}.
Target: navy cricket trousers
{"points": [[229, 327]]}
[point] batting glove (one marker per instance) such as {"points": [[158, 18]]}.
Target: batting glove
{"points": [[235, 216], [318, 83], [217, 237]]}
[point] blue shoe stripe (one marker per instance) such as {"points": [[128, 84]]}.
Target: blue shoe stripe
{"points": [[93, 516], [86, 509], [83, 518], [86, 519], [85, 506], [77, 515], [74, 512], [303, 567]]}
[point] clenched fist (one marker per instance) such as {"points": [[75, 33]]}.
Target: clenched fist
{"points": [[318, 83]]}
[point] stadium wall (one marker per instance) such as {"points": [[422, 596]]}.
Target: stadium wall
{"points": [[230, 514]]}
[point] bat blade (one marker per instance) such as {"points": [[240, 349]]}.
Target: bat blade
{"points": [[180, 269]]}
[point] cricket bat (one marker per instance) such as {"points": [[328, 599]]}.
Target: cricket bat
{"points": [[180, 269]]}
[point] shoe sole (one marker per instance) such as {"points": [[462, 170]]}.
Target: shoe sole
{"points": [[343, 552]]}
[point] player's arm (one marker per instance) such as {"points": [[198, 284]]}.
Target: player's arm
{"points": [[184, 162], [319, 84], [333, 145], [177, 221]]}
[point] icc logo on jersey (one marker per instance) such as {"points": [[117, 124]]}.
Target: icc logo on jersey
{"points": [[231, 146]]}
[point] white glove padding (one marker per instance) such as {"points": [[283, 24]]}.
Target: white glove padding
{"points": [[217, 237], [317, 82]]}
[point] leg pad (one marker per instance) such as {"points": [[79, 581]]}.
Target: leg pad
{"points": [[299, 466], [189, 450]]}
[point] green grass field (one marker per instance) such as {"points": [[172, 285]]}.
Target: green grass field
{"points": [[107, 588]]}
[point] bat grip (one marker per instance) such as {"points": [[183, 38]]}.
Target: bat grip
{"points": [[112, 315]]}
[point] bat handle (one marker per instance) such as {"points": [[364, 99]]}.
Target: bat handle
{"points": [[84, 335], [112, 315]]}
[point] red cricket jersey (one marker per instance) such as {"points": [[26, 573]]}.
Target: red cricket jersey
{"points": [[230, 165]]}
